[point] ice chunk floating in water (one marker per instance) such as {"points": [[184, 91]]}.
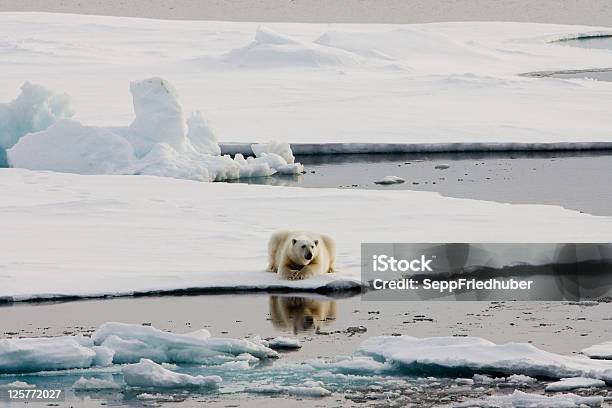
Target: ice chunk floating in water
{"points": [[600, 351], [121, 343], [390, 180], [523, 399], [130, 343], [472, 354], [568, 384], [148, 374], [95, 384], [39, 354], [158, 142]]}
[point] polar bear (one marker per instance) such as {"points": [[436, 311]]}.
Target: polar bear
{"points": [[297, 255]]}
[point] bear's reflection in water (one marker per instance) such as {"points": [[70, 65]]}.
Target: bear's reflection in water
{"points": [[301, 314]]}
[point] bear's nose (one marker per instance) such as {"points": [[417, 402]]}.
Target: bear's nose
{"points": [[308, 256]]}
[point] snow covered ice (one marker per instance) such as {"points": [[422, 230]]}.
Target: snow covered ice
{"points": [[331, 87], [128, 218], [158, 142]]}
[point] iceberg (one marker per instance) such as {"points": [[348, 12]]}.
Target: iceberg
{"points": [[148, 374], [477, 355], [159, 142]]}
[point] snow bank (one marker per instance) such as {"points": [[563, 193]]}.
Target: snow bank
{"points": [[599, 351], [455, 354], [42, 354], [519, 399], [83, 384], [35, 109], [148, 374], [271, 49], [158, 142], [127, 219], [131, 343], [568, 384]]}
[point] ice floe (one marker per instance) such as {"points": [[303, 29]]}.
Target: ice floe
{"points": [[600, 351], [280, 343], [120, 343], [19, 385], [314, 389], [568, 384], [519, 399], [390, 180], [456, 354], [148, 374], [40, 354], [158, 142], [83, 384], [129, 218], [131, 343]]}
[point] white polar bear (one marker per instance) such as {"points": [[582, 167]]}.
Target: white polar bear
{"points": [[297, 255]]}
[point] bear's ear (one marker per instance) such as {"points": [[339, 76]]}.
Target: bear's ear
{"points": [[316, 242], [293, 241]]}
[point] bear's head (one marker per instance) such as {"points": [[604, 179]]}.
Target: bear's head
{"points": [[304, 250]]}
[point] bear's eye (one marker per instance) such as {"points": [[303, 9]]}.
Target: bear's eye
{"points": [[303, 246]]}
